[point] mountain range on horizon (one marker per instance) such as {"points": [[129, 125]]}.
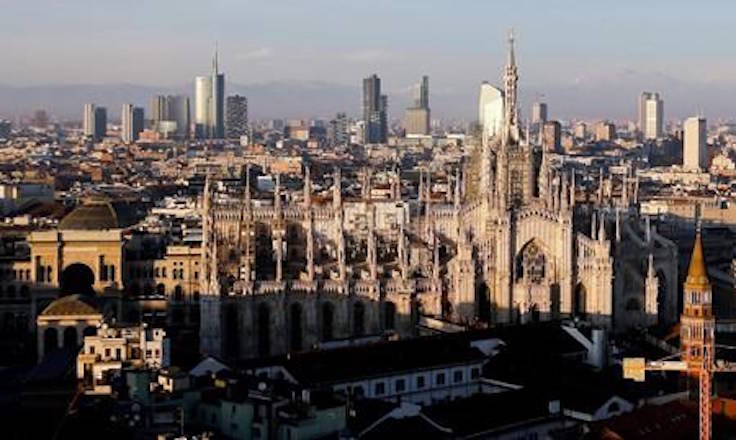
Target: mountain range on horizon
{"points": [[614, 100]]}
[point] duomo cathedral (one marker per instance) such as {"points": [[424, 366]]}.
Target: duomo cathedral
{"points": [[513, 239]]}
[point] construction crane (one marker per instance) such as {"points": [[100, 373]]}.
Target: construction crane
{"points": [[697, 341]]}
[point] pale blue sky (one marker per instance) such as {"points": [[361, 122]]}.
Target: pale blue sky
{"points": [[651, 44]]}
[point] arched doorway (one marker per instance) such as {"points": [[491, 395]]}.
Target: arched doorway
{"points": [[579, 300], [264, 330], [77, 278], [50, 340], [70, 339], [295, 328], [328, 318], [358, 319], [160, 289]]}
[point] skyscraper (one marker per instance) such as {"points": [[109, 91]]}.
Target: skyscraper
{"points": [[94, 123], [539, 113], [237, 116], [202, 98], [132, 123], [418, 116], [217, 112], [490, 110], [693, 149], [374, 111], [651, 110], [209, 103], [170, 110]]}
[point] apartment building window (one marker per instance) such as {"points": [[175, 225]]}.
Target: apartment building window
{"points": [[380, 389], [457, 376], [420, 382], [400, 385], [440, 379]]}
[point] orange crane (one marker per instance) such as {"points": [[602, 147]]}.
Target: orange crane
{"points": [[697, 340]]}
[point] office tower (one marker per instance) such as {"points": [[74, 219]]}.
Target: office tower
{"points": [[159, 110], [237, 116], [490, 110], [177, 107], [132, 123], [651, 109], [209, 103], [693, 149], [95, 122], [88, 120], [605, 131], [418, 116], [202, 98], [551, 136], [217, 111], [539, 113], [374, 111]]}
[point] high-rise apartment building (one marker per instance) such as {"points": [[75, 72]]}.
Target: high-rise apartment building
{"points": [[132, 123], [337, 131], [490, 110], [418, 115], [539, 113], [693, 149], [209, 103], [94, 123], [159, 109], [236, 123], [374, 111], [651, 112]]}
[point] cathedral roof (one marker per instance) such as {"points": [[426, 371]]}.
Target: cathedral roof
{"points": [[72, 305], [697, 274]]}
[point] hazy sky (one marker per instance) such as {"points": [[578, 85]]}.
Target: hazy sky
{"points": [[591, 44]]}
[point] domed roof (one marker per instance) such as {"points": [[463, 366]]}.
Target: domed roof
{"points": [[99, 214], [71, 305]]}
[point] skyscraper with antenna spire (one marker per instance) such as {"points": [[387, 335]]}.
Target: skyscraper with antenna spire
{"points": [[209, 101]]}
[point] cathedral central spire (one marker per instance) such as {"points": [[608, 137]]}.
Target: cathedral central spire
{"points": [[510, 82]]}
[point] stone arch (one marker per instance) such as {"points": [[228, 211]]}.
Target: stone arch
{"points": [[50, 340], [70, 338], [77, 278], [296, 333], [531, 262], [264, 329], [579, 300], [160, 289], [328, 321], [178, 293], [358, 319]]}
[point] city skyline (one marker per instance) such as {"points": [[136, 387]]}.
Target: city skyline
{"points": [[581, 77]]}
